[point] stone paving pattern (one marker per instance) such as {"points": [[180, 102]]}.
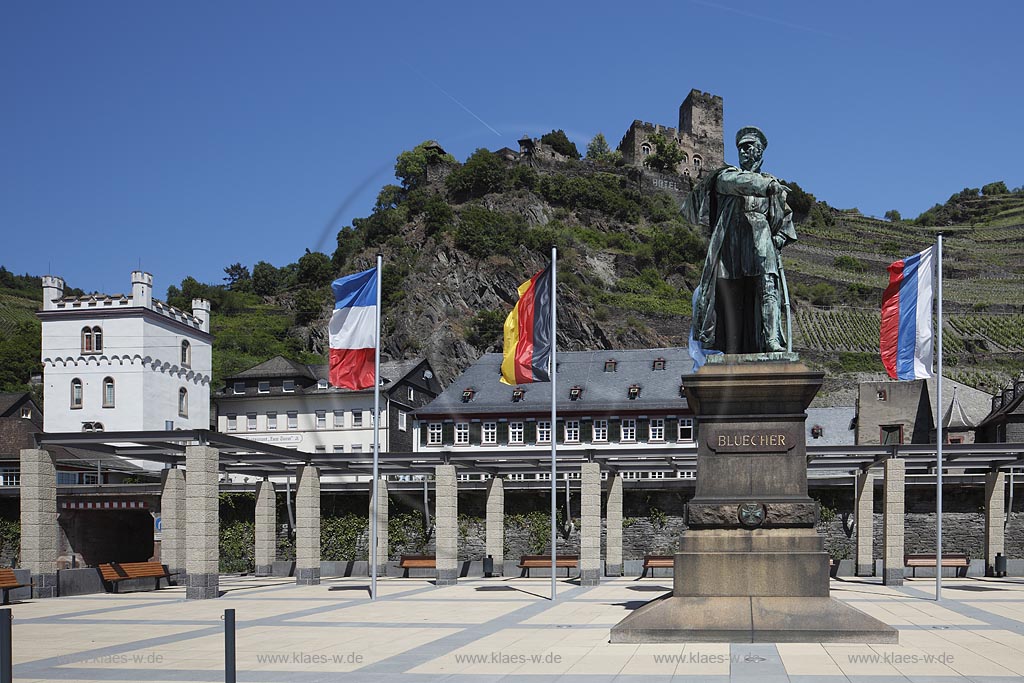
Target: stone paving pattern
{"points": [[499, 629]]}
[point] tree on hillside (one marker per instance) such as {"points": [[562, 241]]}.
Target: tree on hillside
{"points": [[893, 215], [599, 151], [266, 279], [411, 166], [238, 278], [561, 143], [484, 172], [667, 154], [998, 187], [315, 270], [19, 356]]}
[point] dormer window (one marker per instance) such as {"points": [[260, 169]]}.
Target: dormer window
{"points": [[467, 394], [658, 364], [575, 393], [288, 386], [322, 384], [518, 394], [609, 365], [238, 388], [263, 387], [633, 393]]}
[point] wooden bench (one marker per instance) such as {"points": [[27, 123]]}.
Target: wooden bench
{"points": [[658, 562], [116, 572], [417, 562], [957, 560], [528, 562], [8, 582]]}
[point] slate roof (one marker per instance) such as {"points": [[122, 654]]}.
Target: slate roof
{"points": [[974, 405], [835, 426], [603, 392], [276, 367], [955, 419], [306, 376], [9, 400], [17, 433]]}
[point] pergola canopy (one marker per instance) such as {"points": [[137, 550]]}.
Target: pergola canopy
{"points": [[243, 456]]}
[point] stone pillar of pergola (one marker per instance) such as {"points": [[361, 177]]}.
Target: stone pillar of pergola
{"points": [[383, 510], [495, 522], [266, 528], [202, 523], [995, 516], [893, 520], [172, 522], [865, 523], [590, 524], [613, 527], [39, 529], [446, 525], [307, 527]]}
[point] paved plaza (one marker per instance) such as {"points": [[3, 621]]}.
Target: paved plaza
{"points": [[498, 629]]}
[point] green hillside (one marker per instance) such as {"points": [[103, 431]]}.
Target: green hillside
{"points": [[458, 238]]}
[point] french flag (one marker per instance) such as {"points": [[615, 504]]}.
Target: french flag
{"points": [[906, 339], [353, 330]]}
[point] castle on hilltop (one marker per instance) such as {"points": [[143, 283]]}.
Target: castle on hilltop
{"points": [[699, 136]]}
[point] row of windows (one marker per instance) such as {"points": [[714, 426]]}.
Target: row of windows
{"points": [[571, 433], [338, 420], [92, 342], [78, 398]]}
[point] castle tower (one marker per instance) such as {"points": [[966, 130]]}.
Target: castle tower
{"points": [[142, 289], [201, 310], [53, 289], [700, 118]]}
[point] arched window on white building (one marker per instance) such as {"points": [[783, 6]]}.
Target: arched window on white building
{"points": [[76, 393], [108, 392], [186, 353], [92, 339], [182, 402]]}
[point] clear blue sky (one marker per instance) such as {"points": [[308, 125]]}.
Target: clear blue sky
{"points": [[191, 135]]}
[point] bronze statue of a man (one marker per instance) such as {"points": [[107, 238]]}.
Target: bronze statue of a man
{"points": [[742, 289]]}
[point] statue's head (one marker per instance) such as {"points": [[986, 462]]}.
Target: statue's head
{"points": [[751, 143]]}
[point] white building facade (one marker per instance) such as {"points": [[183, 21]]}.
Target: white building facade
{"points": [[293, 405], [606, 401], [124, 362]]}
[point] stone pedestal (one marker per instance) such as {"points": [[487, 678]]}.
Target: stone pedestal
{"points": [[751, 567]]}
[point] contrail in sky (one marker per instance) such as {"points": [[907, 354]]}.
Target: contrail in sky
{"points": [[452, 98], [760, 17]]}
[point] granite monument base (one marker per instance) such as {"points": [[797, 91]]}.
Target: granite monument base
{"points": [[751, 568]]}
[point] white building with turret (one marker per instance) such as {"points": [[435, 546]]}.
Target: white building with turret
{"points": [[124, 362]]}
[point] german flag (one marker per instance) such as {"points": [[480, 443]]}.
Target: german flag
{"points": [[528, 333]]}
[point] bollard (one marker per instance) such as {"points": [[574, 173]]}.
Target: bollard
{"points": [[229, 646], [6, 653]]}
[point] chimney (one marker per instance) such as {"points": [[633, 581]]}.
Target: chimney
{"points": [[201, 310], [53, 289], [142, 289]]}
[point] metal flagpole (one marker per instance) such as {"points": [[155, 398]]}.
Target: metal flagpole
{"points": [[939, 435], [554, 369], [376, 439]]}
